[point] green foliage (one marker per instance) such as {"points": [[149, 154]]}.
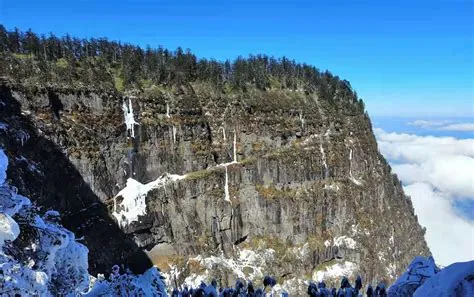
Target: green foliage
{"points": [[98, 62]]}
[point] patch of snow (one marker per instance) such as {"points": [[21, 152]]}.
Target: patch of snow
{"points": [[3, 126], [3, 167], [128, 117], [419, 270], [134, 195], [58, 264], [454, 280], [246, 260], [336, 271], [327, 243], [345, 241], [332, 187]]}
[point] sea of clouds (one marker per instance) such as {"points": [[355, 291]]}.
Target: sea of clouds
{"points": [[438, 175]]}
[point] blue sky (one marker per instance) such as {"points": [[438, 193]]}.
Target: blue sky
{"points": [[411, 58]]}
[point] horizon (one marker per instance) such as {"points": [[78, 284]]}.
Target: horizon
{"points": [[410, 59]]}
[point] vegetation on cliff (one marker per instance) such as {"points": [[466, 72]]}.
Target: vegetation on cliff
{"points": [[103, 64]]}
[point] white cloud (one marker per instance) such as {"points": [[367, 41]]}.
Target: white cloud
{"points": [[450, 237], [436, 172], [463, 127], [428, 124], [443, 125]]}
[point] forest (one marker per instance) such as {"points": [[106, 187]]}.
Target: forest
{"points": [[30, 58]]}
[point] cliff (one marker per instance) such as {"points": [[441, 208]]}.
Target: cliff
{"points": [[213, 183]]}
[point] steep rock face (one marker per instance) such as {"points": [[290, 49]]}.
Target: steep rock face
{"points": [[275, 171]]}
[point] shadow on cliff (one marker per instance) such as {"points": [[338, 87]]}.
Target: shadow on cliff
{"points": [[60, 186]]}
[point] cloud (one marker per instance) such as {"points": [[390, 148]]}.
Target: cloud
{"points": [[428, 124], [463, 127], [436, 172], [443, 125], [450, 237]]}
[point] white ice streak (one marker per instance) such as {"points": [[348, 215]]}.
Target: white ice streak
{"points": [[134, 195], [128, 116]]}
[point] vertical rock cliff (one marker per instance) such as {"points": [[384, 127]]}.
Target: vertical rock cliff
{"points": [[214, 184]]}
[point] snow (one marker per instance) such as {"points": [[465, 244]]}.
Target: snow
{"points": [[134, 195], [332, 187], [9, 229], [345, 241], [336, 271], [3, 126], [56, 265], [147, 284], [327, 243], [128, 116], [3, 167], [419, 270], [454, 280], [254, 261], [226, 185]]}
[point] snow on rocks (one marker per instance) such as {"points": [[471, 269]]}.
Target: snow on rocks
{"points": [[57, 264], [345, 241], [454, 280], [134, 195], [148, 284], [419, 270], [336, 271]]}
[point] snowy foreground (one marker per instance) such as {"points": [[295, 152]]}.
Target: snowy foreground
{"points": [[45, 259]]}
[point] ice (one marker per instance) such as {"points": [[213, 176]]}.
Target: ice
{"points": [[226, 185], [235, 147], [326, 171], [128, 116], [134, 195]]}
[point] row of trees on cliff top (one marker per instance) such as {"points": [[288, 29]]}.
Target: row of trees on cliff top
{"points": [[125, 66]]}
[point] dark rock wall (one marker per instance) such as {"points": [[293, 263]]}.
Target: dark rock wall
{"points": [[307, 171]]}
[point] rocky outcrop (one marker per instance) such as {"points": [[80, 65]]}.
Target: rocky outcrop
{"points": [[217, 173]]}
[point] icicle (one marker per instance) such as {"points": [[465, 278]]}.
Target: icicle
{"points": [[235, 147], [223, 133], [326, 174], [226, 186], [174, 134], [128, 116], [350, 162], [168, 110]]}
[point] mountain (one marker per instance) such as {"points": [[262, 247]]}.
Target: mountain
{"points": [[228, 178]]}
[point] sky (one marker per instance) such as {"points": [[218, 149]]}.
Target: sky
{"points": [[412, 58], [411, 62]]}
